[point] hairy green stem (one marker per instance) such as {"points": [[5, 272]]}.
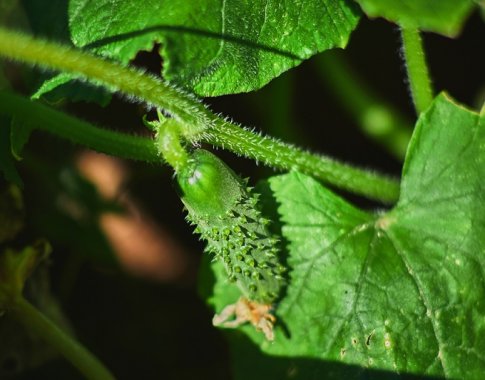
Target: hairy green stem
{"points": [[79, 356], [287, 157], [115, 77], [168, 143], [196, 122], [376, 117], [418, 75], [41, 117]]}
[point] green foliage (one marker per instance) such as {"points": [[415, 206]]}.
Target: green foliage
{"points": [[226, 215], [442, 16], [213, 47], [401, 290], [356, 293]]}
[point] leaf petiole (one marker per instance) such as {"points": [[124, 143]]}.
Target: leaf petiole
{"points": [[417, 69]]}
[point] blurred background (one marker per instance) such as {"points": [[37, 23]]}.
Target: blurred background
{"points": [[124, 262]]}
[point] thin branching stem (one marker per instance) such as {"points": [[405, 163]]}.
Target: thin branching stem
{"points": [[38, 116]]}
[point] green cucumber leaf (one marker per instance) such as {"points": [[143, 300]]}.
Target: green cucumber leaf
{"points": [[213, 47], [441, 16], [52, 83], [400, 291], [65, 86]]}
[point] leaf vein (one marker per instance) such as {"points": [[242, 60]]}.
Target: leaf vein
{"points": [[425, 301]]}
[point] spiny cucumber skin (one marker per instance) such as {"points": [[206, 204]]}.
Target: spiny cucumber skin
{"points": [[235, 231]]}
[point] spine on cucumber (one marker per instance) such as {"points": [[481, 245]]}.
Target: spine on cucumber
{"points": [[225, 213]]}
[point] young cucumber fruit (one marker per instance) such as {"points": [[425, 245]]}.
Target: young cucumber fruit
{"points": [[225, 213]]}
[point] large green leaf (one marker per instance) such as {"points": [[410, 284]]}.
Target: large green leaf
{"points": [[214, 47], [400, 291], [441, 16]]}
